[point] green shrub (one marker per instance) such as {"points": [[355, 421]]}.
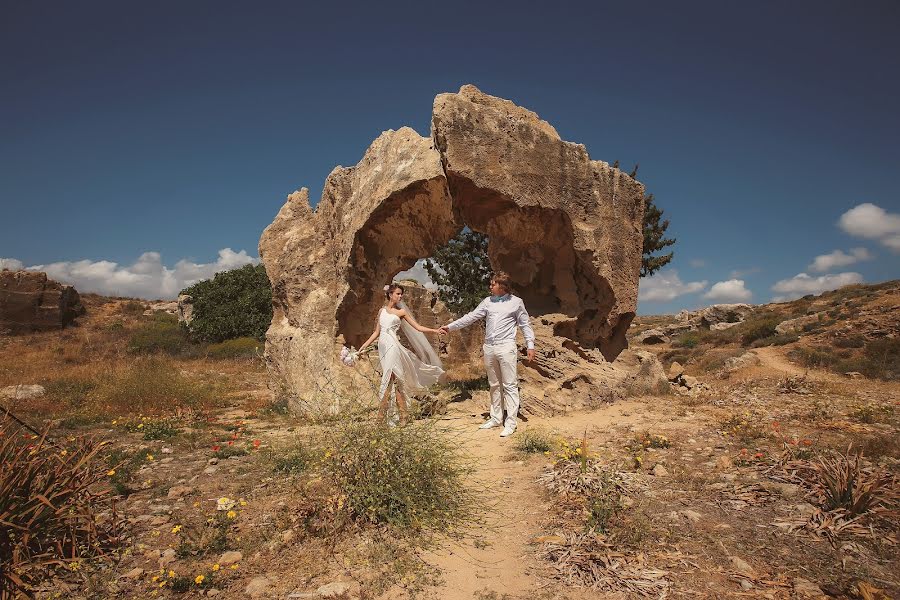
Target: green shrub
{"points": [[409, 477], [687, 340], [532, 441], [852, 341], [243, 347], [758, 327], [161, 333], [233, 304]]}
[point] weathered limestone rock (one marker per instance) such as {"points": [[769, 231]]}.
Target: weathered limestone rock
{"points": [[652, 336], [715, 314], [185, 309], [796, 325], [29, 302], [566, 228], [328, 266]]}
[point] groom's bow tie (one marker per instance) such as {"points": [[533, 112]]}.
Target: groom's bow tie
{"points": [[500, 298]]}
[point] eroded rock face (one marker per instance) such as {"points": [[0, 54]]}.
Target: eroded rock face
{"points": [[30, 301], [566, 228]]}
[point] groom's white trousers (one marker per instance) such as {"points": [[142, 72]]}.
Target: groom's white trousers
{"points": [[500, 361]]}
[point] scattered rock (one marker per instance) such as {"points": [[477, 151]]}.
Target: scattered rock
{"points": [[742, 566], [807, 590], [334, 589], [746, 585], [854, 375], [724, 462], [135, 573], [659, 471], [258, 586], [229, 558], [177, 491], [210, 470], [675, 371], [692, 516], [213, 592], [167, 558], [22, 392], [747, 359]]}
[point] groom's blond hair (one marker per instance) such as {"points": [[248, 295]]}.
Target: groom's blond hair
{"points": [[502, 278]]}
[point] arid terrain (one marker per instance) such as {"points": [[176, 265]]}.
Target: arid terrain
{"points": [[772, 474]]}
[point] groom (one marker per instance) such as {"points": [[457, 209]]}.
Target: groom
{"points": [[502, 312]]}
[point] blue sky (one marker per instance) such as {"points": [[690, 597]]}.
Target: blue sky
{"points": [[148, 144]]}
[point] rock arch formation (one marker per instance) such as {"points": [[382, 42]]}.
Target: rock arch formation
{"points": [[566, 228]]}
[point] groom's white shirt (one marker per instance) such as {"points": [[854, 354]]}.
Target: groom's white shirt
{"points": [[500, 320]]}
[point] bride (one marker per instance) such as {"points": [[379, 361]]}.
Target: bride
{"points": [[409, 372]]}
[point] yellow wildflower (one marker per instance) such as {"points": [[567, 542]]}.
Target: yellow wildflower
{"points": [[140, 426], [233, 567], [111, 472], [231, 514], [176, 529], [149, 456], [171, 573], [216, 567], [199, 579]]}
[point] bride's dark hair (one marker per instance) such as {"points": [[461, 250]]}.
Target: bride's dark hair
{"points": [[389, 289]]}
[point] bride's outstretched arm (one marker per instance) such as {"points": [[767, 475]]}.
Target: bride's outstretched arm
{"points": [[372, 337], [416, 326]]}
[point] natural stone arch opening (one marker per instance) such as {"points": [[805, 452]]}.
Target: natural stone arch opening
{"points": [[408, 226], [535, 245]]}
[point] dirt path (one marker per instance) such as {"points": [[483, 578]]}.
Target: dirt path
{"points": [[772, 357], [498, 559]]}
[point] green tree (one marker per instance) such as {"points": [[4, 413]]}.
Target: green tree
{"points": [[461, 270], [233, 304], [654, 239]]}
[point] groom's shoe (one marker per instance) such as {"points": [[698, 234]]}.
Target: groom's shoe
{"points": [[508, 431], [489, 424]]}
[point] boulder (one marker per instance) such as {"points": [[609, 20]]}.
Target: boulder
{"points": [[797, 325], [185, 309], [30, 301], [22, 392], [747, 359], [566, 228], [652, 336]]}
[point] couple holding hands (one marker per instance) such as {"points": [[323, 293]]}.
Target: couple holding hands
{"points": [[413, 371]]}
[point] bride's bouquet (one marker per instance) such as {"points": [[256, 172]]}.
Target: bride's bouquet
{"points": [[349, 356]]}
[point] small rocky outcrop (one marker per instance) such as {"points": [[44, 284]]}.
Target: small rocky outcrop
{"points": [[797, 325], [30, 301], [716, 318], [185, 309]]}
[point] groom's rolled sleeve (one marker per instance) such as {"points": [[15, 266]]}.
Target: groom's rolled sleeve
{"points": [[525, 325], [480, 312]]}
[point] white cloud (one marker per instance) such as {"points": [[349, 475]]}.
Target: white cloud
{"points": [[665, 286], [873, 222], [802, 284], [827, 262], [417, 273], [732, 290], [11, 264], [148, 277]]}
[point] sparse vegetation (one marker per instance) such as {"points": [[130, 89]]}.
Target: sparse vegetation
{"points": [[408, 477], [244, 347], [532, 441]]}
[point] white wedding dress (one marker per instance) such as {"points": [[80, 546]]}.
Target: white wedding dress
{"points": [[410, 371]]}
